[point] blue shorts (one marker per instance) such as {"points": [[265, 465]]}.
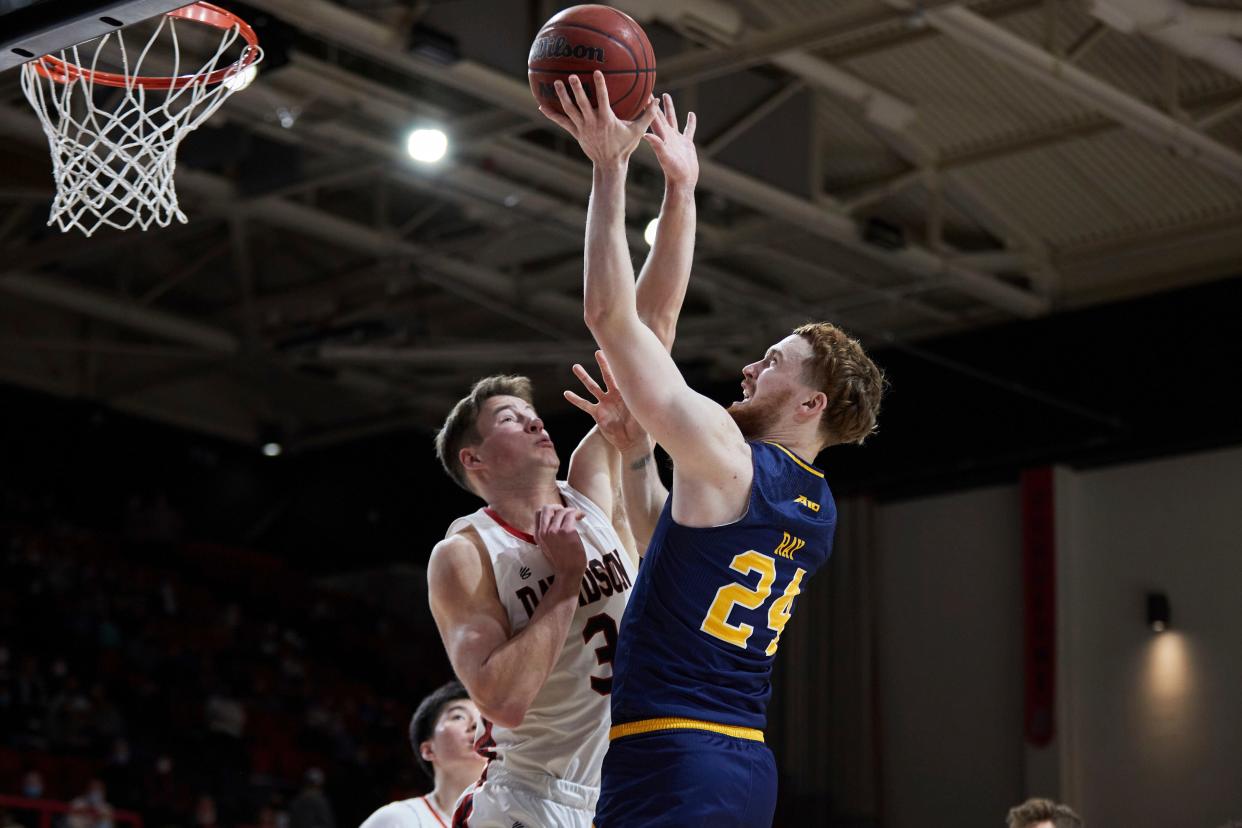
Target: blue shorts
{"points": [[686, 778]]}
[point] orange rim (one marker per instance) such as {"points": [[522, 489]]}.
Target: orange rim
{"points": [[208, 14]]}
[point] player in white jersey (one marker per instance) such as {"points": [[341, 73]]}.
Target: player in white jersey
{"points": [[442, 735], [528, 591]]}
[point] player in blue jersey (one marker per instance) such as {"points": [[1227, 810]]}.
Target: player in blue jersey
{"points": [[749, 520]]}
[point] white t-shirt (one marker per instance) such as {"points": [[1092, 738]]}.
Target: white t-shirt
{"points": [[420, 812], [565, 732]]}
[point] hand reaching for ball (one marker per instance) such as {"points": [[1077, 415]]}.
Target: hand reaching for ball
{"points": [[609, 410], [604, 137], [674, 149]]}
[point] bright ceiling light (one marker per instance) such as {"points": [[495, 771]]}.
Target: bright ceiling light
{"points": [[649, 233], [427, 145]]}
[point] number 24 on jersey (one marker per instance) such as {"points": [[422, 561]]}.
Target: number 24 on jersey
{"points": [[717, 624]]}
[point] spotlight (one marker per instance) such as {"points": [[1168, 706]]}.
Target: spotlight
{"points": [[271, 440], [649, 233], [1158, 613], [427, 145]]}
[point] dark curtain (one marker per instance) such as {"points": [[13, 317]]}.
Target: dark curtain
{"points": [[823, 720]]}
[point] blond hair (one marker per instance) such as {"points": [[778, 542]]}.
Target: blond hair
{"points": [[460, 428], [847, 376]]}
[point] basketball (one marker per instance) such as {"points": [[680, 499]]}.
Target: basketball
{"points": [[581, 39]]}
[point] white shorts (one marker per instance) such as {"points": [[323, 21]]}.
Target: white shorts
{"points": [[504, 799]]}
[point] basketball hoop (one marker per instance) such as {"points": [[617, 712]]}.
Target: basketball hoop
{"points": [[114, 134]]}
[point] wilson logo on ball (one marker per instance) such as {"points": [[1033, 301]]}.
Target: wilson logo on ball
{"points": [[560, 47], [582, 40]]}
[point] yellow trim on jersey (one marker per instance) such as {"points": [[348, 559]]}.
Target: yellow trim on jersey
{"points": [[674, 723], [796, 459]]}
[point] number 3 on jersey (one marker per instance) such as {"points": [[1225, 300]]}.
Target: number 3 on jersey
{"points": [[717, 624], [602, 624]]}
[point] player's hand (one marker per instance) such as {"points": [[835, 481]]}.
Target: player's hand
{"points": [[556, 533], [602, 135], [674, 149], [609, 410]]}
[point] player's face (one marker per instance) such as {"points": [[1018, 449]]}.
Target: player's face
{"points": [[452, 741], [771, 385], [513, 435]]}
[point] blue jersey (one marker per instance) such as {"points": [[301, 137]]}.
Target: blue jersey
{"points": [[705, 617]]}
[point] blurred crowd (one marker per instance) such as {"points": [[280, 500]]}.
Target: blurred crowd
{"points": [[197, 685]]}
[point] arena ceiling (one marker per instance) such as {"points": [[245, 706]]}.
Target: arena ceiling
{"points": [[907, 170]]}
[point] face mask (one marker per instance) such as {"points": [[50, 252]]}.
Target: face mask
{"points": [[32, 789]]}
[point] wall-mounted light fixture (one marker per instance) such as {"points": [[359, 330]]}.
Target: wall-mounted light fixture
{"points": [[1158, 615]]}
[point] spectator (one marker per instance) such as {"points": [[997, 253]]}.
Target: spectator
{"points": [[68, 715], [310, 808], [165, 800], [106, 721], [119, 775], [205, 812], [91, 809], [8, 696], [225, 714], [1043, 813], [32, 784], [30, 696]]}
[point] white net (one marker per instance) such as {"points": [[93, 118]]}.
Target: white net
{"points": [[114, 140]]}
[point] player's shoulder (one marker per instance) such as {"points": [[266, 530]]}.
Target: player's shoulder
{"points": [[401, 814], [774, 457], [465, 541], [457, 556], [583, 500]]}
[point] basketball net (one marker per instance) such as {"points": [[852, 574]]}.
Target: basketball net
{"points": [[114, 135]]}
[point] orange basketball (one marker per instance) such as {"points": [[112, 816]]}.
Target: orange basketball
{"points": [[581, 39]]}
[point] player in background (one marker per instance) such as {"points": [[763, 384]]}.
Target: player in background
{"points": [[748, 520], [527, 592], [442, 736]]}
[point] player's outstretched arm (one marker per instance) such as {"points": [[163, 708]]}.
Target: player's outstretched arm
{"points": [[662, 282], [594, 468], [504, 674], [642, 492], [637, 494], [708, 450]]}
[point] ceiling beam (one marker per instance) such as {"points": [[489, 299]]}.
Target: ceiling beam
{"points": [[981, 35], [1212, 108], [785, 47], [476, 185], [357, 32], [53, 290]]}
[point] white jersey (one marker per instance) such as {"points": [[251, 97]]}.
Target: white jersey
{"points": [[420, 812], [564, 734]]}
